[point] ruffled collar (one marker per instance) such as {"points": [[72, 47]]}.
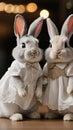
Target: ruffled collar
{"points": [[32, 65], [59, 65]]}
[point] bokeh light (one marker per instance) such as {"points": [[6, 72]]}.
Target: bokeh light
{"points": [[69, 5], [44, 13], [2, 6], [9, 8], [31, 7]]}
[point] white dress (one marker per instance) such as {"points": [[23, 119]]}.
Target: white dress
{"points": [[55, 95], [30, 74]]}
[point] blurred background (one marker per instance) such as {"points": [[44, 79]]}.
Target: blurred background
{"points": [[57, 10]]}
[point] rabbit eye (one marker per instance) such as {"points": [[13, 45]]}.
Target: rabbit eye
{"points": [[23, 45], [66, 45], [50, 45]]}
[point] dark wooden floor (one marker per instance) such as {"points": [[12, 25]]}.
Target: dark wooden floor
{"points": [[6, 124]]}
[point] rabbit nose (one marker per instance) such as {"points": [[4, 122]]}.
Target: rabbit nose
{"points": [[34, 52]]}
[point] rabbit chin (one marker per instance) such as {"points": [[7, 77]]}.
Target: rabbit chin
{"points": [[33, 59]]}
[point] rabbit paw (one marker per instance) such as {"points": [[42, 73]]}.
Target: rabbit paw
{"points": [[68, 117], [70, 90], [16, 117], [39, 93], [22, 92]]}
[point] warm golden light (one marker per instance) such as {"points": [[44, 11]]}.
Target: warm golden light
{"points": [[44, 13], [2, 6], [21, 9], [9, 8], [3, 29], [16, 9], [31, 7], [69, 5]]}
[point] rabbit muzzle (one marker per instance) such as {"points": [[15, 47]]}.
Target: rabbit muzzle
{"points": [[34, 52], [62, 55], [55, 53], [33, 55]]}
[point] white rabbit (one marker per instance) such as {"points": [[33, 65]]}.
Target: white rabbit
{"points": [[59, 71], [17, 86]]}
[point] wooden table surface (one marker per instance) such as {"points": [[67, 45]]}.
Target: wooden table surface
{"points": [[6, 124]]}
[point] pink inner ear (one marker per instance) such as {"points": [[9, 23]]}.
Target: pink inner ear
{"points": [[19, 26], [38, 29], [48, 27], [70, 25]]}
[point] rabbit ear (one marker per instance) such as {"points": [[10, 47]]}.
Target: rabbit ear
{"points": [[35, 27], [52, 29], [19, 26], [67, 28]]}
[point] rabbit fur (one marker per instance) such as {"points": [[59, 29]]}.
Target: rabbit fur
{"points": [[59, 71], [18, 85]]}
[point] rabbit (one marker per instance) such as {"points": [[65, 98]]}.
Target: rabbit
{"points": [[58, 71], [18, 85]]}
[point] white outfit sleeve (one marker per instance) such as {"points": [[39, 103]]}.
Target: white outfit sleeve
{"points": [[8, 94], [15, 69], [69, 69]]}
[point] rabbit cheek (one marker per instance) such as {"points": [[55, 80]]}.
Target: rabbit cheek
{"points": [[66, 54], [47, 54], [21, 55], [53, 55], [27, 55]]}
